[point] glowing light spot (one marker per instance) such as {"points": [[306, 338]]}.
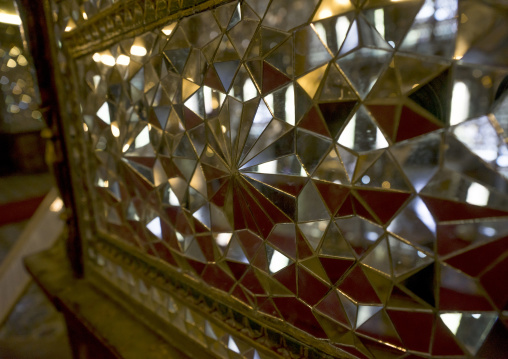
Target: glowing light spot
{"points": [[477, 195], [56, 206], [155, 227], [137, 50], [115, 130], [10, 19], [22, 60], [108, 60], [223, 239], [11, 63], [460, 103], [278, 262], [323, 14], [123, 60], [96, 57], [14, 52], [168, 29], [452, 321]]}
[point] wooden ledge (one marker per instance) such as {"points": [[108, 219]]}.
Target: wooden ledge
{"points": [[98, 326]]}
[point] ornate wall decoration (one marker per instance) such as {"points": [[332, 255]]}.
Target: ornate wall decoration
{"points": [[336, 168]]}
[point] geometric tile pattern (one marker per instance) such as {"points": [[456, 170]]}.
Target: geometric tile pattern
{"points": [[340, 166]]}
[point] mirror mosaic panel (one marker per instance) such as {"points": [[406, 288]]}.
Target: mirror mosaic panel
{"points": [[336, 167]]}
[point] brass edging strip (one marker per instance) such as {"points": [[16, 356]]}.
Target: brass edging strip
{"points": [[176, 282]]}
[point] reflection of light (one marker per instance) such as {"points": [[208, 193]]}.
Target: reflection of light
{"points": [[143, 138], [488, 231], [269, 101], [56, 206], [452, 321], [96, 57], [173, 200], [268, 167], [352, 39], [22, 60], [249, 90], [108, 60], [207, 99], [380, 140], [103, 113], [10, 19], [14, 52], [323, 14], [476, 315], [123, 60], [263, 115], [223, 128], [168, 29], [502, 161], [125, 147], [138, 50], [371, 236], [477, 194], [424, 215], [460, 103], [115, 130], [290, 105], [421, 254], [385, 184], [426, 11], [232, 345], [68, 28], [379, 21], [155, 227], [223, 239], [321, 31], [341, 27], [365, 312], [365, 179], [278, 262], [347, 138], [85, 16], [11, 63], [85, 127], [193, 102]]}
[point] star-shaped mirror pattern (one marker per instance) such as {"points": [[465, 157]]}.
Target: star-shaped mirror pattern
{"points": [[338, 165]]}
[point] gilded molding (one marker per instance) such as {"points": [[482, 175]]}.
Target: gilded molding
{"points": [[129, 18]]}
